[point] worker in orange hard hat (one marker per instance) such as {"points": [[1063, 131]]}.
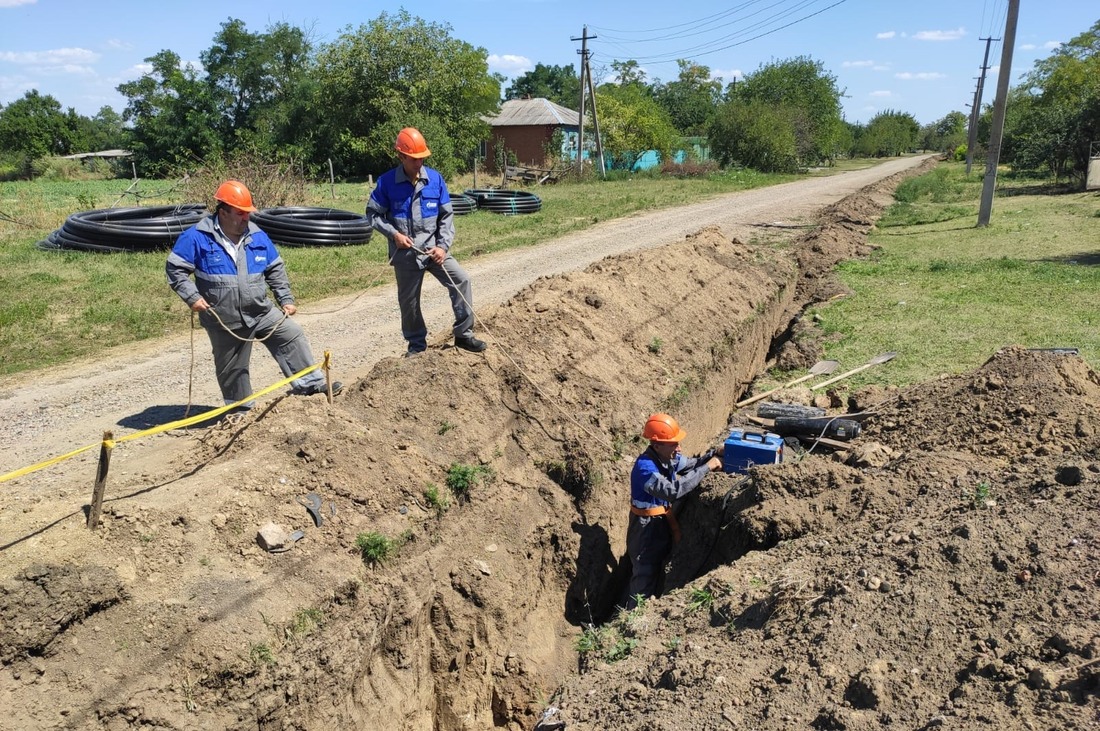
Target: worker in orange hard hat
{"points": [[661, 475], [234, 263], [411, 206]]}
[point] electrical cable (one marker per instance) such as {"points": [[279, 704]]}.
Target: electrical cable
{"points": [[306, 226], [124, 230], [506, 202]]}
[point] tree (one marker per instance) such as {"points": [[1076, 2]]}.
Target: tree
{"points": [[559, 84], [34, 126], [811, 99], [889, 133], [945, 135], [173, 114], [632, 122], [691, 100], [1057, 111], [628, 72], [398, 71], [755, 134]]}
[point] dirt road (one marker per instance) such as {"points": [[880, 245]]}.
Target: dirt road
{"points": [[50, 413]]}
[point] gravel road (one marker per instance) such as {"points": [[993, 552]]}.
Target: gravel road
{"points": [[53, 412]]}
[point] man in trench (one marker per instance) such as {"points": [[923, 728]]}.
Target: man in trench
{"points": [[661, 474]]}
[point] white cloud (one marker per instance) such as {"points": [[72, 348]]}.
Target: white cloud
{"points": [[857, 64], [1028, 47], [881, 67], [940, 35], [56, 57], [116, 45], [881, 93], [509, 65], [886, 36], [1051, 45], [16, 3], [920, 75], [727, 75]]}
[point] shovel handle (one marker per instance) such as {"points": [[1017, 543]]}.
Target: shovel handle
{"points": [[760, 396]]}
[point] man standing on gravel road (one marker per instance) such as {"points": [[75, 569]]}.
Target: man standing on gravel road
{"points": [[234, 263], [661, 474], [411, 206]]}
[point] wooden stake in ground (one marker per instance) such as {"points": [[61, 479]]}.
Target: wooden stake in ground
{"points": [[101, 478]]}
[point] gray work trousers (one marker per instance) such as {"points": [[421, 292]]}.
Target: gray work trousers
{"points": [[409, 282], [648, 544], [288, 344]]}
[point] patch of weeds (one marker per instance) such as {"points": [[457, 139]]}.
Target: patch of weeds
{"points": [[204, 561], [444, 427], [375, 547], [981, 495], [615, 640], [672, 644], [462, 478], [757, 583], [436, 500], [147, 537], [305, 622], [682, 392], [655, 346], [261, 654], [701, 598]]}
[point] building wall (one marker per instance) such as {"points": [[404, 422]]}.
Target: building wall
{"points": [[528, 144]]}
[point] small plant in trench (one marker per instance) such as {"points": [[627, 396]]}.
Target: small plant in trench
{"points": [[655, 346], [261, 654], [305, 622], [701, 598], [375, 547], [444, 427], [461, 478], [981, 495], [436, 500]]}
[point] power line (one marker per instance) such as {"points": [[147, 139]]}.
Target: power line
{"points": [[697, 22]]}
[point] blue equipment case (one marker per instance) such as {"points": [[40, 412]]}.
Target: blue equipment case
{"points": [[743, 449]]}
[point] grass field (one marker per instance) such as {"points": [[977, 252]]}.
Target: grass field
{"points": [[942, 293]]}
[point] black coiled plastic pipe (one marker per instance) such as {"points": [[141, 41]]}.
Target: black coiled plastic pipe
{"points": [[124, 230], [506, 202], [305, 226], [463, 204]]}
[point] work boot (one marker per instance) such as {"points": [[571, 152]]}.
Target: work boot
{"points": [[315, 388], [470, 343]]}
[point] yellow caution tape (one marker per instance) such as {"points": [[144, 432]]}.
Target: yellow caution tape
{"points": [[180, 424]]}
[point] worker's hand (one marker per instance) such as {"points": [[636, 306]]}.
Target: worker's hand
{"points": [[437, 254], [200, 305], [402, 241], [714, 464], [290, 310]]}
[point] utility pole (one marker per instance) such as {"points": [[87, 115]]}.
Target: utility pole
{"points": [[595, 119], [580, 121], [976, 109], [1003, 76]]}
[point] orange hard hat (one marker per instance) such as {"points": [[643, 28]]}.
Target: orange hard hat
{"points": [[663, 428], [235, 193], [411, 143]]}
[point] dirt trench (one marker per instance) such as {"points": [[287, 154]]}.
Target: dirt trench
{"points": [[472, 623]]}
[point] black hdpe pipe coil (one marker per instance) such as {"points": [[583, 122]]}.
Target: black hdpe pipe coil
{"points": [[507, 202], [304, 226], [463, 204], [124, 230]]}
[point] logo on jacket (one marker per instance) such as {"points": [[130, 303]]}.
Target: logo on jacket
{"points": [[260, 257], [431, 205]]}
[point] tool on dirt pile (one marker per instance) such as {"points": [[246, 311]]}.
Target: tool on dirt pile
{"points": [[882, 358], [819, 369]]}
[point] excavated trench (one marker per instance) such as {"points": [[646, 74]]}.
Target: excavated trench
{"points": [[471, 623]]}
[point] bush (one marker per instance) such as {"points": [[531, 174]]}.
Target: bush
{"points": [[689, 168]]}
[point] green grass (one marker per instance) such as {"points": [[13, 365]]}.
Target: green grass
{"points": [[946, 295], [462, 478], [375, 548], [58, 307]]}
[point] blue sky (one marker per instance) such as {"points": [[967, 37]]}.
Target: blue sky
{"points": [[916, 57]]}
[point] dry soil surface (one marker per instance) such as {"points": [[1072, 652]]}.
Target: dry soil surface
{"points": [[941, 572]]}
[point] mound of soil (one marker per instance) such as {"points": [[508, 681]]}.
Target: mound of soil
{"points": [[471, 520]]}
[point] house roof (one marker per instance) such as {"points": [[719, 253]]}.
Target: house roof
{"points": [[532, 112], [104, 153]]}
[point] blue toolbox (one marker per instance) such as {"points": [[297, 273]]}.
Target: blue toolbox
{"points": [[743, 449]]}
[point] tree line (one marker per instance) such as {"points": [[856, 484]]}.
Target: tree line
{"points": [[278, 95]]}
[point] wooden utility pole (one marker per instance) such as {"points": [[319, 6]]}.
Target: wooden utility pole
{"points": [[1004, 74], [595, 119], [580, 121], [976, 110]]}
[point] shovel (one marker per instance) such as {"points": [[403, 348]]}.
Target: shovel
{"points": [[882, 358], [819, 369]]}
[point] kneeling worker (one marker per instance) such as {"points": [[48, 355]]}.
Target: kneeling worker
{"points": [[234, 263], [661, 474]]}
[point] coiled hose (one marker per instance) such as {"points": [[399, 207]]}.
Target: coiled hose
{"points": [[506, 202], [305, 226], [124, 230], [463, 204]]}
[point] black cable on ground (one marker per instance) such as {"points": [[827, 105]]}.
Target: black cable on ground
{"points": [[123, 230], [305, 226], [506, 202], [463, 204]]}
